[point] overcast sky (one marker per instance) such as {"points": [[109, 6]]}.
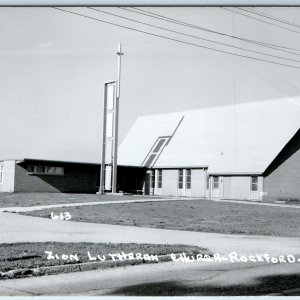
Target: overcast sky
{"points": [[53, 66]]}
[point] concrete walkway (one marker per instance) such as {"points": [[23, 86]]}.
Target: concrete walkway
{"points": [[141, 200], [15, 228]]}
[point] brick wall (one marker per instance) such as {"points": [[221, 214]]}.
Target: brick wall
{"points": [[77, 178], [282, 177]]}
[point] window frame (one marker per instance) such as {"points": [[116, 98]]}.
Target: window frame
{"points": [[159, 178], [188, 176], [46, 171], [214, 182], [155, 151], [253, 184], [152, 179], [1, 174], [158, 146], [180, 179], [207, 182]]}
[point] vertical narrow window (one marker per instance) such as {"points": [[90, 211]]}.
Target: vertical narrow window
{"points": [[254, 183], [215, 182], [152, 179], [180, 179], [188, 179], [159, 179], [207, 182], [109, 124], [1, 173]]}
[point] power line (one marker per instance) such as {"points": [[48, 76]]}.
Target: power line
{"points": [[193, 36], [176, 40], [178, 22], [247, 16], [271, 17]]}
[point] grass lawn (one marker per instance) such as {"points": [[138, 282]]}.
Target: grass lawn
{"points": [[194, 215], [32, 255], [32, 199]]}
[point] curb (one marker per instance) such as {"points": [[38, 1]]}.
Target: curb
{"points": [[77, 267]]}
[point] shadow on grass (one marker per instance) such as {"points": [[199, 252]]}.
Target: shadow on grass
{"points": [[267, 285]]}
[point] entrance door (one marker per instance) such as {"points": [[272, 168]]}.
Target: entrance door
{"points": [[184, 182], [215, 193]]}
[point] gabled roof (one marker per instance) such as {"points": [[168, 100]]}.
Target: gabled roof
{"points": [[232, 139], [143, 135]]}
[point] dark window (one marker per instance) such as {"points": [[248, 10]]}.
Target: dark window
{"points": [[152, 178], [150, 160], [188, 177], [207, 182], [215, 182], [159, 179], [254, 183], [30, 169], [180, 179], [158, 146], [45, 170], [40, 169], [155, 151]]}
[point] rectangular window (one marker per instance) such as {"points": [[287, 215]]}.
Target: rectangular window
{"points": [[215, 182], [30, 169], [1, 173], [152, 178], [188, 179], [254, 183], [110, 96], [59, 171], [40, 169], [55, 170], [159, 179], [207, 182], [109, 125], [180, 179], [45, 170]]}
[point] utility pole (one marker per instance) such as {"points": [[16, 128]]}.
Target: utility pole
{"points": [[116, 122]]}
